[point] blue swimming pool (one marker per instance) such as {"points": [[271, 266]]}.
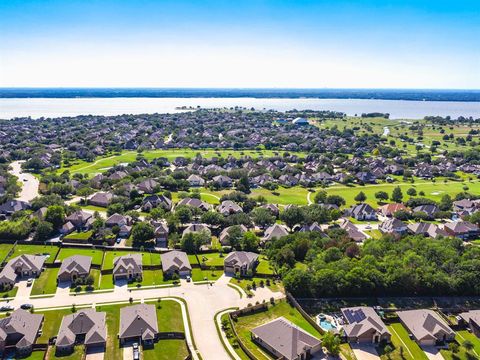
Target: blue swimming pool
{"points": [[327, 325]]}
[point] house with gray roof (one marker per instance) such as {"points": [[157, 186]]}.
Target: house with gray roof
{"points": [[196, 228], [352, 230], [464, 230], [228, 207], [426, 229], [128, 267], [12, 206], [426, 326], [362, 212], [86, 326], [472, 320], [74, 267], [102, 199], [23, 266], [364, 326], [195, 180], [240, 263], [286, 340], [224, 235], [138, 323], [393, 226], [153, 201], [176, 262], [196, 203], [275, 231], [20, 330]]}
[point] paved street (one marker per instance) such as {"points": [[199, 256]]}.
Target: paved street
{"points": [[29, 182], [203, 302]]}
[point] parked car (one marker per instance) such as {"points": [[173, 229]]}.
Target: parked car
{"points": [[136, 352], [6, 307], [30, 282], [188, 278], [26, 306], [118, 240]]}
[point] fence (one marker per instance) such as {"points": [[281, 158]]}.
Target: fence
{"points": [[312, 322]]}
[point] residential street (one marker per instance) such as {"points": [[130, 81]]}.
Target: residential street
{"points": [[29, 182], [203, 302]]}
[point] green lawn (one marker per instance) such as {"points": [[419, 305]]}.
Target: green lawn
{"points": [[96, 283], [76, 355], [10, 293], [106, 282], [244, 283], [245, 324], [37, 355], [51, 323], [49, 250], [147, 258], [151, 277], [264, 266], [166, 350], [46, 283], [232, 340], [113, 350], [200, 275], [463, 335], [4, 250], [97, 255], [192, 259], [79, 236], [400, 338], [108, 161], [212, 259], [296, 195]]}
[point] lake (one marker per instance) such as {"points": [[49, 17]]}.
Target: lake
{"points": [[398, 109]]}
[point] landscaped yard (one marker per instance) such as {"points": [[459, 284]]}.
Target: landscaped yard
{"points": [[147, 258], [10, 293], [97, 255], [46, 283], [76, 355], [51, 323], [95, 273], [264, 266], [49, 250], [212, 259], [245, 324], [245, 282], [232, 340], [151, 278], [192, 259], [79, 236], [465, 335], [400, 339], [200, 275]]}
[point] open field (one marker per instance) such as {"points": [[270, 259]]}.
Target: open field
{"points": [[103, 163], [246, 323], [97, 255]]}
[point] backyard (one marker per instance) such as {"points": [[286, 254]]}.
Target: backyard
{"points": [[97, 255], [46, 283], [405, 348]]}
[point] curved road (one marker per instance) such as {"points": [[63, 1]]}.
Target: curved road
{"points": [[29, 182]]}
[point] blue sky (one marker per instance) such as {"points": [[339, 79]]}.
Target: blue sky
{"points": [[311, 44]]}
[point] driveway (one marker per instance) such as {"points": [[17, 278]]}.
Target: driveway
{"points": [[365, 351], [95, 354], [29, 182], [432, 353], [23, 292]]}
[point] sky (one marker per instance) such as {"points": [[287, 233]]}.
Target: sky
{"points": [[429, 44]]}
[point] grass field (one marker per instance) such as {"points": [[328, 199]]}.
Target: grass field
{"points": [[4, 250], [232, 340], [264, 266], [192, 259], [200, 275], [400, 339], [51, 323], [46, 283], [103, 163], [296, 195], [76, 355], [212, 259], [49, 250], [245, 324], [151, 278], [97, 255], [79, 236], [147, 258]]}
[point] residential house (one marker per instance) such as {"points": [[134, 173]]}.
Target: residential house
{"points": [[86, 326], [160, 233], [147, 186], [228, 207], [393, 226], [196, 203], [195, 180], [286, 340], [176, 262], [429, 209], [275, 231], [364, 326], [154, 201], [23, 266], [366, 177], [74, 267], [426, 326], [311, 227], [353, 232], [195, 228], [12, 206], [80, 219], [241, 263], [222, 181], [472, 320], [128, 267], [362, 212], [118, 220], [426, 229], [272, 208], [462, 229], [224, 235], [20, 331], [138, 323], [390, 209], [102, 199]]}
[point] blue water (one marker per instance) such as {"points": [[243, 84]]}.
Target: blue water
{"points": [[324, 324]]}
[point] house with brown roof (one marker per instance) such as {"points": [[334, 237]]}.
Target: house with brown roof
{"points": [[80, 219], [160, 233], [363, 325], [196, 228], [464, 230], [472, 320], [102, 199], [352, 230], [195, 180], [138, 323], [153, 201], [426, 326], [86, 326], [74, 267], [147, 186], [426, 229], [286, 340], [176, 262], [241, 263], [275, 231], [20, 331], [23, 266], [390, 209], [228, 207], [128, 267]]}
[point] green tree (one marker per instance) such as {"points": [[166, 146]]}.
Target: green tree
{"points": [[262, 217], [43, 231], [331, 343], [335, 200], [249, 241], [397, 195], [55, 215], [381, 195], [292, 216], [184, 214], [320, 197], [361, 197], [142, 232], [411, 192]]}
